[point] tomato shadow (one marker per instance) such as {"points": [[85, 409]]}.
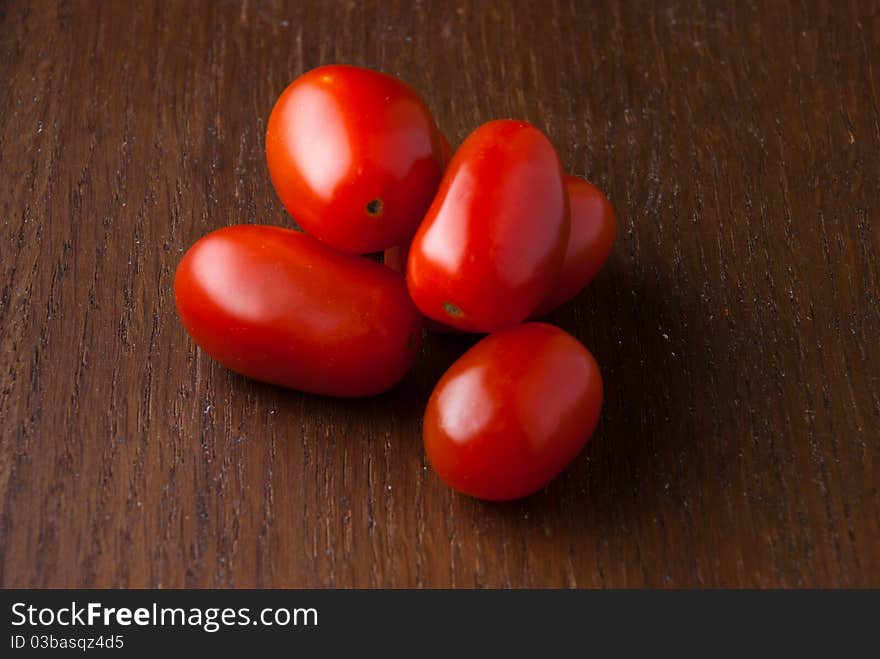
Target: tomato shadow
{"points": [[648, 332], [642, 327]]}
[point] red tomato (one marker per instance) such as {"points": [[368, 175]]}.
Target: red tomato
{"points": [[276, 305], [355, 157], [512, 412], [593, 227], [493, 241]]}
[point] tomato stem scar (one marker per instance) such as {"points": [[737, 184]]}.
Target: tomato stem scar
{"points": [[374, 207], [451, 309]]}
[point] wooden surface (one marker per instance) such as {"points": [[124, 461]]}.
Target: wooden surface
{"points": [[737, 323]]}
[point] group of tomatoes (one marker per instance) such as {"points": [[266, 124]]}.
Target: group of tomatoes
{"points": [[484, 240]]}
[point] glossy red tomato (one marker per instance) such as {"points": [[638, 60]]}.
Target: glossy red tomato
{"points": [[593, 228], [355, 157], [512, 412], [493, 240], [276, 305]]}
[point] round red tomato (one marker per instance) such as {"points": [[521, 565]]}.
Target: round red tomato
{"points": [[493, 240], [355, 157], [512, 412], [278, 306], [593, 227]]}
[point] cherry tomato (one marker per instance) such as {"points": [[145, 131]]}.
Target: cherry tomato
{"points": [[277, 305], [593, 228], [493, 240], [512, 412], [355, 157]]}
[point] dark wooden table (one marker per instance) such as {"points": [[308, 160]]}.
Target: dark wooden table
{"points": [[737, 323]]}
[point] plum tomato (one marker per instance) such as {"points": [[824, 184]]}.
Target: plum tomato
{"points": [[277, 305], [493, 241], [593, 228], [512, 412], [355, 156]]}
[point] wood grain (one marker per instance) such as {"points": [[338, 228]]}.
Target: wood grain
{"points": [[737, 324]]}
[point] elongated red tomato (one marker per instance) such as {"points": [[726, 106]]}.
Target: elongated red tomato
{"points": [[493, 240], [278, 306], [512, 412], [355, 157], [593, 228]]}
